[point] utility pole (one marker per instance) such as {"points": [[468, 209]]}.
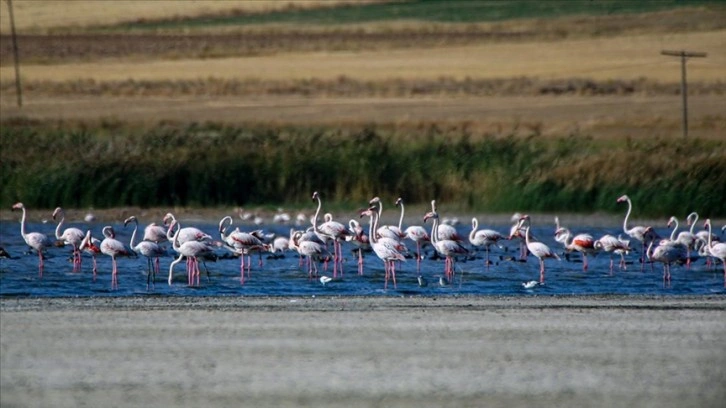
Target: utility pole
{"points": [[684, 85], [18, 87]]}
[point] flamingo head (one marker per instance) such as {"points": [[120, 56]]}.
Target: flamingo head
{"points": [[168, 218], [368, 212], [57, 211], [622, 198], [671, 221], [374, 200], [316, 196], [18, 206], [128, 220], [399, 201], [707, 223], [431, 214]]}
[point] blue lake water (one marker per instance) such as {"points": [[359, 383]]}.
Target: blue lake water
{"points": [[19, 275]]}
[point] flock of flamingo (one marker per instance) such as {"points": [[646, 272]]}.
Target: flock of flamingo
{"points": [[387, 242]]}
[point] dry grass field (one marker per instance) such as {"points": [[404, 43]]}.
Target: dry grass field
{"points": [[282, 56], [41, 16]]}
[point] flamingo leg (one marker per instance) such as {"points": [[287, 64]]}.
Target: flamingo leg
{"points": [[242, 269], [418, 257], [40, 263], [541, 271], [393, 273], [584, 261]]}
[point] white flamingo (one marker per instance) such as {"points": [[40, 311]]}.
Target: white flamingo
{"points": [[114, 248], [385, 248], [149, 249], [312, 250], [582, 243], [613, 245], [330, 231], [70, 236], [684, 237], [192, 250], [666, 252], [35, 240], [716, 249], [538, 249], [638, 232], [155, 233], [484, 237], [389, 231], [447, 248]]}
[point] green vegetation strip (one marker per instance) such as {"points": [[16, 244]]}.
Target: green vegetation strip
{"points": [[447, 11], [112, 164]]}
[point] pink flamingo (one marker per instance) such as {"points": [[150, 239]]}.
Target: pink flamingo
{"points": [[666, 252], [149, 249], [716, 249], [314, 251], [447, 248], [330, 231], [35, 240], [637, 232], [386, 249], [611, 245], [483, 237], [240, 243], [389, 231], [582, 243], [114, 248], [417, 234], [155, 233], [538, 249], [192, 250], [70, 236], [516, 231], [92, 246], [360, 240]]}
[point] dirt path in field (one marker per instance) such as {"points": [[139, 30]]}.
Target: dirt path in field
{"points": [[601, 116]]}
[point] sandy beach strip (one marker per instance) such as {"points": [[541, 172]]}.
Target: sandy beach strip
{"points": [[363, 351]]}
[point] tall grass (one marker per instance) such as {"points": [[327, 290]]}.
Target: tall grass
{"points": [[112, 164]]}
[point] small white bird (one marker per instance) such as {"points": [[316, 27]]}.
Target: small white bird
{"points": [[422, 282], [529, 285], [325, 279]]}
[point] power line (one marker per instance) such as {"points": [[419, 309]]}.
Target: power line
{"points": [[684, 86]]}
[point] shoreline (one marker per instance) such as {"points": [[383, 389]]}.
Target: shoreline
{"points": [[364, 303]]}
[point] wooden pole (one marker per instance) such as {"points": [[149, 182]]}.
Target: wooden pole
{"points": [[684, 83], [18, 86]]}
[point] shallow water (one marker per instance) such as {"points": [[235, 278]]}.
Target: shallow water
{"points": [[283, 277]]}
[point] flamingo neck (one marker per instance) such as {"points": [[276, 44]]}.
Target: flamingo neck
{"points": [[133, 234], [317, 212], [22, 223], [474, 227], [60, 223], [223, 228], [435, 231], [625, 221], [695, 220], [673, 233], [372, 228], [400, 220], [708, 226]]}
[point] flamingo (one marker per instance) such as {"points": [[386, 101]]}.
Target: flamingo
{"points": [[583, 243], [538, 249], [417, 234], [155, 233], [70, 236], [192, 250], [684, 237], [114, 248], [186, 233], [240, 243], [35, 240], [330, 231], [312, 250], [516, 231], [149, 249], [483, 237], [92, 246], [716, 249], [666, 252], [360, 240], [385, 248], [390, 231], [637, 232], [447, 248], [610, 244]]}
